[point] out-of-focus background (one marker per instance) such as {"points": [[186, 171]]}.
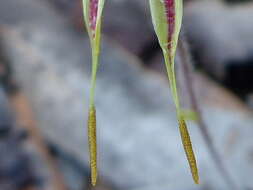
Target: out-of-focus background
{"points": [[44, 86]]}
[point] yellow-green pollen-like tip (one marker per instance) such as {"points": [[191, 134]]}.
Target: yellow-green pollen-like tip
{"points": [[188, 150], [92, 144], [93, 179]]}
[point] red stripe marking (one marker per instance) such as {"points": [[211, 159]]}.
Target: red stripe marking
{"points": [[93, 15], [170, 13]]}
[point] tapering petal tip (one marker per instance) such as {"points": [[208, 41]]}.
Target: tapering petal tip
{"points": [[196, 179], [188, 150], [93, 180]]}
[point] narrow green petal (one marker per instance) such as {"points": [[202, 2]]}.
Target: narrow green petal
{"points": [[160, 22], [86, 15]]}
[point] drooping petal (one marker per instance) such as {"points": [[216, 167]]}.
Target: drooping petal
{"points": [[92, 10], [167, 20]]}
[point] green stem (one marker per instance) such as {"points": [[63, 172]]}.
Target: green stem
{"points": [[169, 63], [95, 54]]}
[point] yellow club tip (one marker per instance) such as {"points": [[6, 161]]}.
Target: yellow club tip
{"points": [[93, 183], [186, 140], [92, 144], [93, 176], [196, 179]]}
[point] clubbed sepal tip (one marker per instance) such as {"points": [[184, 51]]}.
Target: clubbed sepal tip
{"points": [[92, 144], [188, 150]]}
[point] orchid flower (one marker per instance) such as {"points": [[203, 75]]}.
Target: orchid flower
{"points": [[167, 19], [92, 10]]}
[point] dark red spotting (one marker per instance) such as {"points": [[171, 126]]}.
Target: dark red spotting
{"points": [[170, 13], [93, 11]]}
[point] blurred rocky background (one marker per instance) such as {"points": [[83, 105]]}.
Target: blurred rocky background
{"points": [[44, 87]]}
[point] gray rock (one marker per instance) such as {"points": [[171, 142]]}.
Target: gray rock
{"points": [[221, 37], [17, 160]]}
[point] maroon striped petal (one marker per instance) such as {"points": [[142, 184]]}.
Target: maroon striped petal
{"points": [[93, 15], [170, 13]]}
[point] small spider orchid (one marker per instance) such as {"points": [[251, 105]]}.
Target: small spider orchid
{"points": [[167, 19], [92, 10]]}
